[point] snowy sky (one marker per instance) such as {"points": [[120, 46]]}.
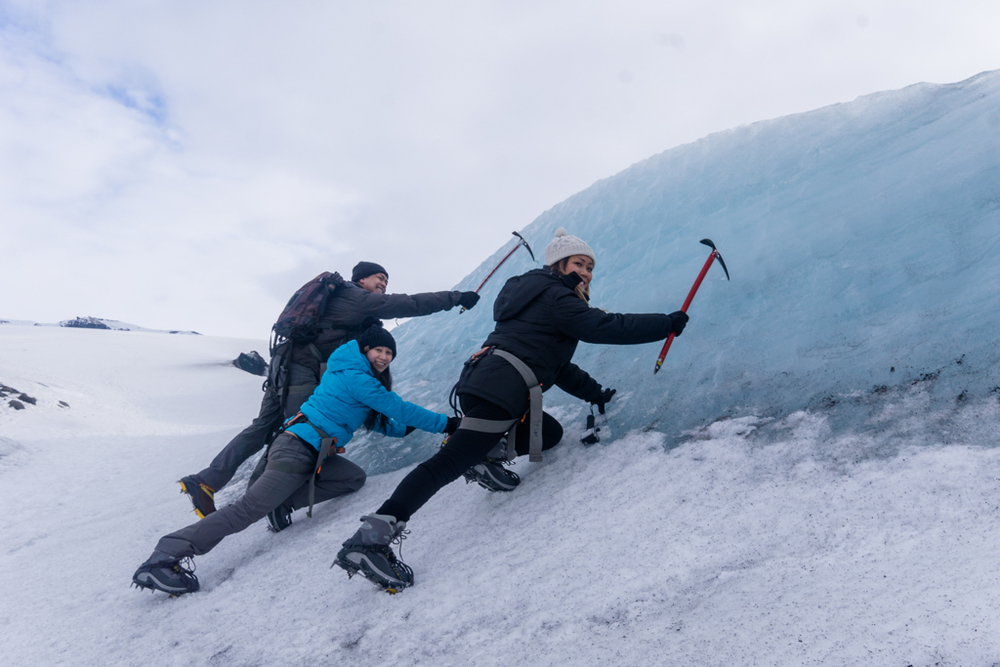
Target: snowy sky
{"points": [[189, 164]]}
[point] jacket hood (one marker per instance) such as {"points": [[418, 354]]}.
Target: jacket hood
{"points": [[521, 290], [348, 357]]}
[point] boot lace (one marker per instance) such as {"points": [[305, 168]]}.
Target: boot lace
{"points": [[503, 462], [398, 539]]}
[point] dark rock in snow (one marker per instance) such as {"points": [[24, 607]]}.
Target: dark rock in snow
{"points": [[63, 404], [85, 323], [17, 405], [27, 399], [251, 363]]}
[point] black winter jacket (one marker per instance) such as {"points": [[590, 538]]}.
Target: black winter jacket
{"points": [[540, 319], [349, 305]]}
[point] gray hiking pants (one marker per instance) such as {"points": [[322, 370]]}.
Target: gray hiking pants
{"points": [[252, 439], [337, 477]]}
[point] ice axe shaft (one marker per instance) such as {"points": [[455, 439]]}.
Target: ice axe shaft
{"points": [[690, 297], [520, 243]]}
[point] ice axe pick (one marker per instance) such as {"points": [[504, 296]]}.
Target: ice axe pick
{"points": [[520, 243], [694, 288]]}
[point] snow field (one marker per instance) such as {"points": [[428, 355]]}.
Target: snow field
{"points": [[733, 548]]}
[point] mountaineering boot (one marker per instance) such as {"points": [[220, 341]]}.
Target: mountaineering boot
{"points": [[163, 572], [491, 474], [368, 553], [279, 518], [202, 495]]}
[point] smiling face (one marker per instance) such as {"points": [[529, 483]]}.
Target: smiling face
{"points": [[581, 265], [379, 357], [376, 282]]}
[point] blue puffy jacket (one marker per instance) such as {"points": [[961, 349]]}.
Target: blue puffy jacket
{"points": [[347, 391]]}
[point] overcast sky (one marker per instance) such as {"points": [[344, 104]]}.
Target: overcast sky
{"points": [[189, 164]]}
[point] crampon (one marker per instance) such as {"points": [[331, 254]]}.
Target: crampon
{"points": [[492, 475], [174, 577], [378, 564]]}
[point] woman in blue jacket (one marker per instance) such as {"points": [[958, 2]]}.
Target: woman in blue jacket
{"points": [[304, 463]]}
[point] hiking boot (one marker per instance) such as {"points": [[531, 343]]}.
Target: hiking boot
{"points": [[202, 495], [163, 572], [368, 553], [279, 518], [491, 474]]}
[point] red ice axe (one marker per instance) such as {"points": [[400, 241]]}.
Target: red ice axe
{"points": [[694, 288], [520, 243]]}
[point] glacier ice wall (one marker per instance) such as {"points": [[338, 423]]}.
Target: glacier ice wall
{"points": [[863, 241]]}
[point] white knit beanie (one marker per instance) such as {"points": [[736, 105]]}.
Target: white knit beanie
{"points": [[565, 245]]}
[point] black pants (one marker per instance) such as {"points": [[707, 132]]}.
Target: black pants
{"points": [[464, 450]]}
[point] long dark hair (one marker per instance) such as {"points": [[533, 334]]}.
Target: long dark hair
{"points": [[376, 421]]}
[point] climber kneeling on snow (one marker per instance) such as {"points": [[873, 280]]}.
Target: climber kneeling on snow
{"points": [[297, 363], [540, 316], [304, 462]]}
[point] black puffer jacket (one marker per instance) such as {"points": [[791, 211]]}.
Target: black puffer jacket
{"points": [[540, 319], [348, 307]]}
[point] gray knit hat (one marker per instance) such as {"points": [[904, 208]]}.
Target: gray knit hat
{"points": [[565, 245]]}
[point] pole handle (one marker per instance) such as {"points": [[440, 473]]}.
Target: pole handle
{"points": [[687, 304]]}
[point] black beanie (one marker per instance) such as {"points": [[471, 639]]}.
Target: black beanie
{"points": [[365, 269], [376, 336]]}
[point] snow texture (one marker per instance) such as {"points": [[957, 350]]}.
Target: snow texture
{"points": [[777, 495]]}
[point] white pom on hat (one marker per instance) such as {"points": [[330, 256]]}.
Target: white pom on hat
{"points": [[565, 245]]}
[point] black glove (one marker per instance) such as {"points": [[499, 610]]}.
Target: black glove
{"points": [[468, 299], [678, 320], [452, 425], [602, 398]]}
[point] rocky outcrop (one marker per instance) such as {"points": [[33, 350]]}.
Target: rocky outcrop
{"points": [[16, 403], [84, 323]]}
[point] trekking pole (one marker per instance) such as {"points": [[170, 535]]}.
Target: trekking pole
{"points": [[687, 302], [520, 243]]}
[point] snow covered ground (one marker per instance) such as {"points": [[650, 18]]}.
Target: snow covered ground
{"points": [[804, 549]]}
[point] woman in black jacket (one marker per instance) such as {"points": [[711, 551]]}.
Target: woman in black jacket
{"points": [[541, 316]]}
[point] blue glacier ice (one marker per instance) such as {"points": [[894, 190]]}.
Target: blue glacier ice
{"points": [[863, 240]]}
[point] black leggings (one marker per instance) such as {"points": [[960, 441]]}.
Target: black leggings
{"points": [[464, 450]]}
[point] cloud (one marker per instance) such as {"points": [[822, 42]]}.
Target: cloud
{"points": [[156, 155]]}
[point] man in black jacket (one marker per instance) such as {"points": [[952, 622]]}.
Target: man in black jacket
{"points": [[351, 302]]}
